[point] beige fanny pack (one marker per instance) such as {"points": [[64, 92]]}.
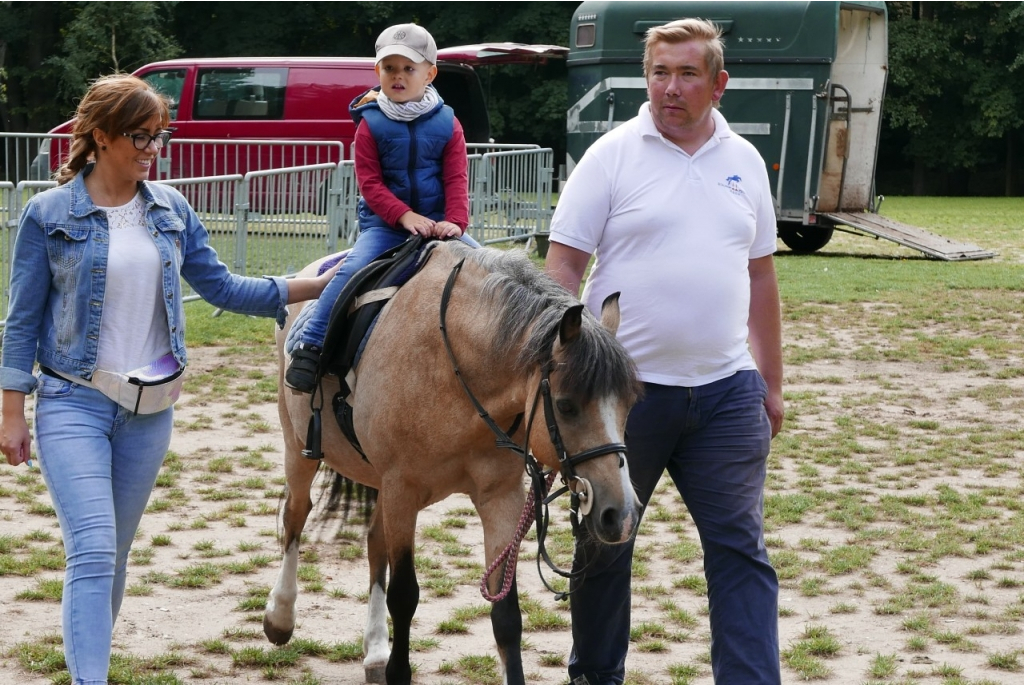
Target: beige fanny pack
{"points": [[146, 390]]}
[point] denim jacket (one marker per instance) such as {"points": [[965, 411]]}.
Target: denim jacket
{"points": [[58, 279]]}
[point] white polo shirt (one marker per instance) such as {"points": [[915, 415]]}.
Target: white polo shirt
{"points": [[674, 233]]}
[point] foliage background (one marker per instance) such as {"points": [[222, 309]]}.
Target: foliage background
{"points": [[953, 121]]}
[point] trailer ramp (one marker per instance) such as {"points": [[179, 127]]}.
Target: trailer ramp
{"points": [[916, 238]]}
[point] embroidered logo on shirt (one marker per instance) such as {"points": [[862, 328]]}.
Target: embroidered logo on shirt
{"points": [[733, 184]]}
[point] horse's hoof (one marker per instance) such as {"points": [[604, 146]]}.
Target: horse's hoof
{"points": [[375, 674], [275, 635]]}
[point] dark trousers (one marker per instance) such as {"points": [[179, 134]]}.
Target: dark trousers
{"points": [[714, 441]]}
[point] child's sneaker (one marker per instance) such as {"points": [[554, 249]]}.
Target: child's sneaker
{"points": [[301, 373]]}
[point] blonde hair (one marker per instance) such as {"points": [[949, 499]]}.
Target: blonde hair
{"points": [[683, 30], [114, 104]]}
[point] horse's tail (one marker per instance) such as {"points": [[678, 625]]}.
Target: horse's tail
{"points": [[342, 493]]}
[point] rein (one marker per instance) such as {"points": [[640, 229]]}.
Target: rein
{"points": [[538, 499]]}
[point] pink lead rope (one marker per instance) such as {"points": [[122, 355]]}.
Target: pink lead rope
{"points": [[511, 553]]}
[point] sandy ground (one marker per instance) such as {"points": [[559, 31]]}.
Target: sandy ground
{"points": [[234, 443]]}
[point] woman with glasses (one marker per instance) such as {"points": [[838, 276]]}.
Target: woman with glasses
{"points": [[95, 299]]}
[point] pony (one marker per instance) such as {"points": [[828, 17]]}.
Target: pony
{"points": [[471, 346]]}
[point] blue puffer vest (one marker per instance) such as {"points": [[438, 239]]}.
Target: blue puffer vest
{"points": [[411, 158]]}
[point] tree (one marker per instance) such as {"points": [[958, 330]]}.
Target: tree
{"points": [[29, 32], [110, 37], [279, 29], [956, 86], [50, 51]]}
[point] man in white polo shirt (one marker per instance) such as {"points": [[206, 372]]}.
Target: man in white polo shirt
{"points": [[678, 210]]}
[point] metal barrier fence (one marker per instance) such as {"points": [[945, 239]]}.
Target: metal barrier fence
{"points": [[194, 158], [484, 148], [24, 158], [510, 194], [9, 228], [35, 156], [12, 200], [271, 222], [275, 221]]}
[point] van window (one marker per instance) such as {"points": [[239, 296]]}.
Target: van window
{"points": [[168, 84], [242, 93]]}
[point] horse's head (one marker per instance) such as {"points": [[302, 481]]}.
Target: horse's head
{"points": [[586, 390]]}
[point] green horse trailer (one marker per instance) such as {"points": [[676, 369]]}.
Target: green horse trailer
{"points": [[806, 86]]}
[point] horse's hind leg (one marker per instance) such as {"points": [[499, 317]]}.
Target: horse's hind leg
{"points": [[279, 617], [375, 637]]}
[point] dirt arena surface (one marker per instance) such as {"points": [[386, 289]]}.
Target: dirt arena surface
{"points": [[868, 591]]}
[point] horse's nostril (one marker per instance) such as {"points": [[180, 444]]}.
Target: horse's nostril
{"points": [[610, 518]]}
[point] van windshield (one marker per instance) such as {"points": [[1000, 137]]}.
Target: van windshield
{"points": [[240, 93], [169, 84]]}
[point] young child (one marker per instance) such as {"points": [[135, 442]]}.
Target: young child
{"points": [[411, 168]]}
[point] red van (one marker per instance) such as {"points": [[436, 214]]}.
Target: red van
{"points": [[303, 98]]}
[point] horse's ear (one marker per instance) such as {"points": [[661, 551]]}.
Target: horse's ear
{"points": [[572, 320], [610, 315]]}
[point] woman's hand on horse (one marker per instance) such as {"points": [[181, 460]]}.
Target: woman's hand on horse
{"points": [[325, 278], [302, 289]]}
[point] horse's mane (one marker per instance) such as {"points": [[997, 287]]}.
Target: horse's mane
{"points": [[528, 306]]}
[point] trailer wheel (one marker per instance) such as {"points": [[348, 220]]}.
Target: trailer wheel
{"points": [[800, 238]]}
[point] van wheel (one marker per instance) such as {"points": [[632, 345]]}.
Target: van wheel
{"points": [[800, 238]]}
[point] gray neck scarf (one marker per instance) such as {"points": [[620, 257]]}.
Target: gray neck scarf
{"points": [[407, 111]]}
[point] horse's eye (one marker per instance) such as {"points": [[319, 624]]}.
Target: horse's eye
{"points": [[566, 407]]}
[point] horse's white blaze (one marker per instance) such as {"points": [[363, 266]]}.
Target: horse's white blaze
{"points": [[629, 502], [375, 638], [609, 418], [280, 609]]}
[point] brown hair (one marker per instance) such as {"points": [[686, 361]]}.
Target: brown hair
{"points": [[683, 30], [114, 104]]}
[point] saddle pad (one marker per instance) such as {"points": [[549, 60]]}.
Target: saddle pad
{"points": [[331, 261]]}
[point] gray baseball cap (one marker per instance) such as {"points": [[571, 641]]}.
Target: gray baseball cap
{"points": [[408, 40]]}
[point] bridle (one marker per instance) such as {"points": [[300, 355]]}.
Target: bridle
{"points": [[581, 497]]}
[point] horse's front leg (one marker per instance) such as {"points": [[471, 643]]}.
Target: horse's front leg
{"points": [[500, 516], [375, 637], [279, 616], [403, 594], [507, 624]]}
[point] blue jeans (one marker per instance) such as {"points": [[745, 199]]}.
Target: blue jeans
{"points": [[714, 441], [99, 463], [370, 244]]}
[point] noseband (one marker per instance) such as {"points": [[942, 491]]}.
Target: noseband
{"points": [[581, 498], [567, 463]]}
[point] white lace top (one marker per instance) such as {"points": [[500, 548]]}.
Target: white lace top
{"points": [[133, 327]]}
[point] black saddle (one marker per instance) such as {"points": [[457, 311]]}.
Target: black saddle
{"points": [[352, 318]]}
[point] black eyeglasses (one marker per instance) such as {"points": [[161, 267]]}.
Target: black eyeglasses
{"points": [[142, 140]]}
